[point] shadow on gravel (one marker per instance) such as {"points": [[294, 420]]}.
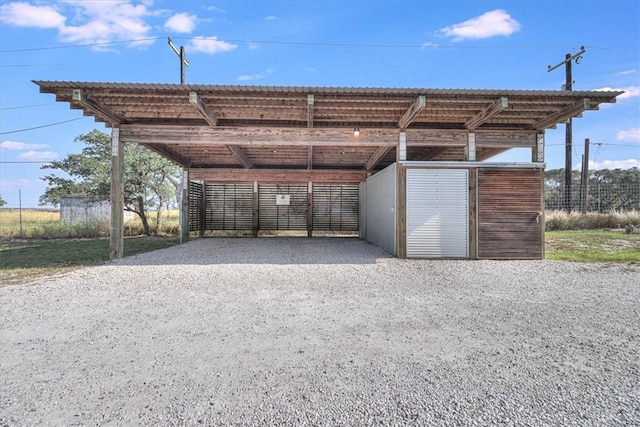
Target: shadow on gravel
{"points": [[264, 250]]}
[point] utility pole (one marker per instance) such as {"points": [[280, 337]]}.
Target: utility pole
{"points": [[183, 60], [584, 187], [569, 128]]}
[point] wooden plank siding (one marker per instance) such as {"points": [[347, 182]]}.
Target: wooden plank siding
{"points": [[509, 202]]}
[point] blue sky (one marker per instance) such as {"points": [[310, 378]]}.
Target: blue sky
{"points": [[430, 44]]}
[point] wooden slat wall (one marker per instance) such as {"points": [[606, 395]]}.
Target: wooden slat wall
{"points": [[508, 206], [274, 217], [195, 205], [229, 206], [335, 207]]}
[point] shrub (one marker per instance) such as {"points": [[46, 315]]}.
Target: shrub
{"points": [[561, 220]]}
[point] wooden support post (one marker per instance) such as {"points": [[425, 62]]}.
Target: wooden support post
{"points": [[184, 207], [473, 217], [537, 151], [116, 236], [401, 211], [256, 209], [470, 148], [401, 153], [310, 209]]}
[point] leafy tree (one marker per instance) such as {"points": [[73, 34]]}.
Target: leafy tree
{"points": [[2, 201], [150, 180]]}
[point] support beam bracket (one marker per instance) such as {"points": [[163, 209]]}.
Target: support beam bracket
{"points": [[194, 99]]}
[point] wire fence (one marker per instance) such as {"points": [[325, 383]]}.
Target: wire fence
{"points": [[599, 197]]}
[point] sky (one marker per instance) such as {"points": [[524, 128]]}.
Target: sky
{"points": [[451, 44]]}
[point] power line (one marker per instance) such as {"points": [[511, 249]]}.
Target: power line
{"points": [[43, 126], [26, 106], [295, 43]]}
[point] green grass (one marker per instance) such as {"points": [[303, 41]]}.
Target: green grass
{"points": [[593, 246], [23, 260]]}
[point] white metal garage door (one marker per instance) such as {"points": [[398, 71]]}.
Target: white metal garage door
{"points": [[437, 213]]}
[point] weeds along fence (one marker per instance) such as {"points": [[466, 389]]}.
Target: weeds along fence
{"points": [[600, 198], [30, 223]]}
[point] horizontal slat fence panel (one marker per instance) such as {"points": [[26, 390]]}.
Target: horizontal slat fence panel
{"points": [[335, 207], [229, 206], [508, 205], [282, 217], [195, 205]]}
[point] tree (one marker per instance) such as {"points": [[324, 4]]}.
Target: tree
{"points": [[150, 180], [2, 201]]}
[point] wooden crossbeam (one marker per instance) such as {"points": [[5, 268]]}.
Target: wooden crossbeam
{"points": [[409, 115], [376, 157], [79, 97], [487, 113], [278, 175], [565, 113], [310, 109], [194, 99], [239, 154]]}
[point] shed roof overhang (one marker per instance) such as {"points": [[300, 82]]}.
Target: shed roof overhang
{"points": [[237, 133]]}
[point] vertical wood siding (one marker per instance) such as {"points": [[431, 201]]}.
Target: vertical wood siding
{"points": [[508, 206], [279, 217]]}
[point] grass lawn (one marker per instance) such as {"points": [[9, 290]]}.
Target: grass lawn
{"points": [[593, 246], [26, 259]]}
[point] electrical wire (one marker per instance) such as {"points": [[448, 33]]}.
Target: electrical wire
{"points": [[26, 106], [43, 126]]}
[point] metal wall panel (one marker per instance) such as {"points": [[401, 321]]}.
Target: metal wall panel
{"points": [[437, 213], [335, 207], [229, 206], [196, 194], [381, 206], [362, 202], [282, 217]]}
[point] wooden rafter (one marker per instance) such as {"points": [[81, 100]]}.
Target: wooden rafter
{"points": [[376, 157], [565, 113], [487, 113], [194, 99], [79, 97], [417, 106], [239, 154]]}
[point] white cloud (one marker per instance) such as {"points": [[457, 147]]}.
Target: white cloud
{"points": [[21, 14], [210, 45], [181, 23], [257, 76], [629, 135], [270, 18], [429, 45], [625, 72], [615, 164], [20, 146], [38, 156], [629, 91], [490, 24], [101, 22]]}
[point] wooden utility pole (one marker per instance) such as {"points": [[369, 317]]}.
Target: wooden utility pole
{"points": [[569, 128], [584, 187], [183, 60]]}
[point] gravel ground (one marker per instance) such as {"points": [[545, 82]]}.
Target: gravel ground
{"points": [[296, 331]]}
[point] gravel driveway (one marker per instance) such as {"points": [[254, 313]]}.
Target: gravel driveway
{"points": [[321, 331]]}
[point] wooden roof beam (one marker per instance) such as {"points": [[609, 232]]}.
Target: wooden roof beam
{"points": [[310, 108], [194, 99], [413, 111], [79, 97], [487, 113], [240, 156], [279, 175], [564, 114], [376, 157]]}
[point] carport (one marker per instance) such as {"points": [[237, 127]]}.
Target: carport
{"points": [[306, 158]]}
